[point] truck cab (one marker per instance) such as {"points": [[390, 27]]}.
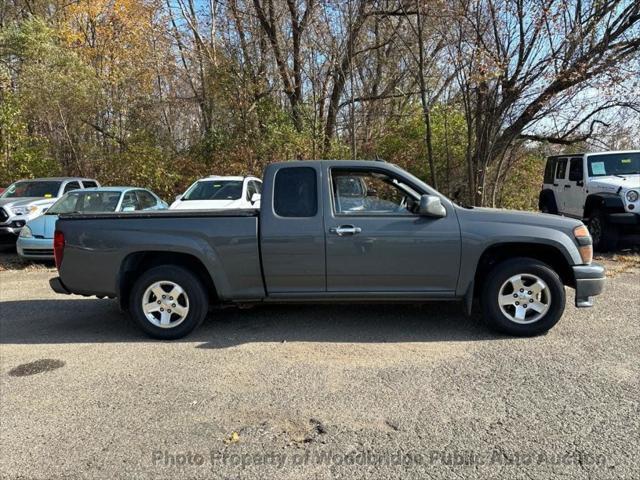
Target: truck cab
{"points": [[602, 189]]}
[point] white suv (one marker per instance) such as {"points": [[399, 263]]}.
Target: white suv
{"points": [[602, 189], [220, 193], [27, 199]]}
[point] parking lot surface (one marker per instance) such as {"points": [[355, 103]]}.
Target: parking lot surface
{"points": [[391, 391]]}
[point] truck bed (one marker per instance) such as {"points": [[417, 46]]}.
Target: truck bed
{"points": [[100, 247]]}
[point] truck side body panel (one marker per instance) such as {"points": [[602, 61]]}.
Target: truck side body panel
{"points": [[403, 253], [293, 247], [483, 228], [96, 247]]}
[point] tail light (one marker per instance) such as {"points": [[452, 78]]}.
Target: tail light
{"points": [[58, 247]]}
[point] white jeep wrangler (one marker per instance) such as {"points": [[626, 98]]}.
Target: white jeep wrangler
{"points": [[601, 189]]}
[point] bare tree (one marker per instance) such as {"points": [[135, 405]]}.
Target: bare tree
{"points": [[520, 59]]}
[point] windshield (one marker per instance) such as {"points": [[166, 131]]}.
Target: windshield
{"points": [[30, 188], [614, 164], [86, 202], [215, 190]]}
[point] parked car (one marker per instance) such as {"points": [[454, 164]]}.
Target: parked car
{"points": [[602, 189], [409, 243], [36, 237], [27, 199], [220, 193]]}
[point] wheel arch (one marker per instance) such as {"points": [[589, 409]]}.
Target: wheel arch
{"points": [[610, 202], [499, 252], [547, 195], [137, 263]]}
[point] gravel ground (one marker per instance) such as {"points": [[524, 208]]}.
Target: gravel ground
{"points": [[320, 392]]}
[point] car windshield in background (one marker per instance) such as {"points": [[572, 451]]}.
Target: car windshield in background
{"points": [[614, 164], [215, 190], [45, 189], [86, 202]]}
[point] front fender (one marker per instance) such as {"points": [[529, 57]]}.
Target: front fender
{"points": [[479, 234]]}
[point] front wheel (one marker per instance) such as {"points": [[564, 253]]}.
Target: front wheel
{"points": [[522, 297], [168, 302], [605, 236]]}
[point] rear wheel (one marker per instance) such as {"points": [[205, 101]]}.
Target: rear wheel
{"points": [[523, 297], [605, 235], [168, 302], [548, 205]]}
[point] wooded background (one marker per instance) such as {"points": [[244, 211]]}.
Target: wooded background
{"points": [[467, 94]]}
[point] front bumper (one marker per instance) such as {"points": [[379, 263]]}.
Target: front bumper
{"points": [[9, 234], [35, 248], [589, 283], [626, 218]]}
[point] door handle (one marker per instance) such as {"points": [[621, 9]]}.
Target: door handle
{"points": [[555, 184], [567, 186], [345, 230]]}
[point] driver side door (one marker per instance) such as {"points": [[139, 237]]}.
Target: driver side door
{"points": [[376, 243]]}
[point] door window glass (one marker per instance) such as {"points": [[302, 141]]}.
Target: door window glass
{"points": [[561, 170], [575, 170], [251, 189], [130, 202], [145, 199], [71, 186], [361, 192]]}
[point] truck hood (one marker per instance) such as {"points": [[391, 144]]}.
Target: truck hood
{"points": [[204, 204], [612, 184], [521, 218], [26, 201], [44, 225]]}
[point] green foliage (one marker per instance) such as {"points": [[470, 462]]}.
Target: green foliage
{"points": [[141, 164], [522, 185], [403, 143], [23, 155]]}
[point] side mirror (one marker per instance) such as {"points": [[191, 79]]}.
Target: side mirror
{"points": [[255, 198], [431, 206], [178, 197]]}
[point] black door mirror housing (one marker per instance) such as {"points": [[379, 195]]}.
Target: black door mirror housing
{"points": [[431, 206]]}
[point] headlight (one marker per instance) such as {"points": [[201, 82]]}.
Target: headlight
{"points": [[26, 232], [632, 196], [25, 210], [585, 244]]}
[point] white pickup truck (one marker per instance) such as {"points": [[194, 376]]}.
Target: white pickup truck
{"points": [[602, 189]]}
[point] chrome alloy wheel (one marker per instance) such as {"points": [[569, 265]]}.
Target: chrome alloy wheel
{"points": [[165, 304], [524, 298]]}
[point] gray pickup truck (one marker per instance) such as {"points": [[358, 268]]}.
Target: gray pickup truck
{"points": [[330, 231]]}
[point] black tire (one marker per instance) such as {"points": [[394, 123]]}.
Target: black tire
{"points": [[501, 273], [548, 204], [605, 235], [196, 297]]}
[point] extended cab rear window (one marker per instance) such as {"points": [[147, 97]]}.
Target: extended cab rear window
{"points": [[295, 192]]}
